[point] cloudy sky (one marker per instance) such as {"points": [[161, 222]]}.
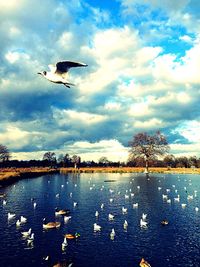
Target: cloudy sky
{"points": [[143, 74]]}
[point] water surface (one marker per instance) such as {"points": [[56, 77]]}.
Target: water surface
{"points": [[174, 245]]}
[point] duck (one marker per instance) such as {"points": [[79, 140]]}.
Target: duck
{"points": [[30, 239], [164, 222], [11, 215], [61, 212], [110, 217], [144, 263], [27, 233], [50, 225], [97, 227]]}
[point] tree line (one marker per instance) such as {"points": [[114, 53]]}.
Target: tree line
{"points": [[145, 150]]}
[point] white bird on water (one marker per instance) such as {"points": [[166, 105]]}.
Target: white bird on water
{"points": [[143, 224], [97, 227], [110, 217], [112, 234], [125, 224], [59, 72], [10, 215]]}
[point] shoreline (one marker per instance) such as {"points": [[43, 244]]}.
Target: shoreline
{"points": [[12, 175], [130, 170]]}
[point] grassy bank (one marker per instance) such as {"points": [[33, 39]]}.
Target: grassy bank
{"points": [[10, 175]]}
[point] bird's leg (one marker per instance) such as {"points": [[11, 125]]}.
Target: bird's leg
{"points": [[65, 84]]}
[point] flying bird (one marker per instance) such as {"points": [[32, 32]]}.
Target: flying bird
{"points": [[59, 72]]}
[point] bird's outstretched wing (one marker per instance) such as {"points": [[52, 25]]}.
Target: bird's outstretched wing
{"points": [[64, 66]]}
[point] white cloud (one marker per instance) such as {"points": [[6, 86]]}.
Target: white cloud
{"points": [[189, 130], [112, 149], [146, 125], [64, 116]]}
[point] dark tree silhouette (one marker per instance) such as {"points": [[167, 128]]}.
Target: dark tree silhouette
{"points": [[4, 153], [148, 147]]}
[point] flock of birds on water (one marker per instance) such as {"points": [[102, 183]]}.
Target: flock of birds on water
{"points": [[143, 223]]}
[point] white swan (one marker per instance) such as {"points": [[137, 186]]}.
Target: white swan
{"points": [[102, 206], [97, 227]]}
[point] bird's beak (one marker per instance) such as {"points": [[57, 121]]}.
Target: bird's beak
{"points": [[39, 73]]}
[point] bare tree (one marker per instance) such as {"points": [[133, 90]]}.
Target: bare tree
{"points": [[76, 160], [148, 147], [4, 153], [50, 157], [104, 161]]}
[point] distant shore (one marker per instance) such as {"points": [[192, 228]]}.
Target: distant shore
{"points": [[11, 175]]}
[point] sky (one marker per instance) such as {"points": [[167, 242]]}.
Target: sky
{"points": [[143, 60]]}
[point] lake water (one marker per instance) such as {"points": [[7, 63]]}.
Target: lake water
{"points": [[176, 244]]}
